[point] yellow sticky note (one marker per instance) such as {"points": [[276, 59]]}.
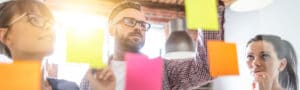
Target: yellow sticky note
{"points": [[222, 58], [202, 14], [85, 46], [21, 75]]}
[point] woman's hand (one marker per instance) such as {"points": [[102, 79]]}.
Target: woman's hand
{"points": [[262, 81], [101, 79]]}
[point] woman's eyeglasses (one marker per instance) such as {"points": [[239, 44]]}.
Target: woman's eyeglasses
{"points": [[35, 20]]}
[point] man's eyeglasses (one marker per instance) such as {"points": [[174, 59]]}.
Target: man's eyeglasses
{"points": [[131, 22], [35, 20]]}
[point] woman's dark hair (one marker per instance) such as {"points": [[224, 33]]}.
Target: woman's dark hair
{"points": [[11, 8], [288, 78]]}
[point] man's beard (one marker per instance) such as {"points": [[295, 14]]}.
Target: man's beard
{"points": [[129, 45]]}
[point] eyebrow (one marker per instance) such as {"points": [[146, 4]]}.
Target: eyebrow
{"points": [[268, 52], [262, 52]]}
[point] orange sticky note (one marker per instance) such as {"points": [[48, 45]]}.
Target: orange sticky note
{"points": [[86, 46], [222, 58], [21, 75]]}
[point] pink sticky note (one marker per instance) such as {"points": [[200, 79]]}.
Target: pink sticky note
{"points": [[143, 73]]}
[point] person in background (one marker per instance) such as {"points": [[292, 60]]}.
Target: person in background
{"points": [[128, 25], [26, 33], [272, 62]]}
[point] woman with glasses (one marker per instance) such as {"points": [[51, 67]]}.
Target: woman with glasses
{"points": [[26, 33], [272, 62]]}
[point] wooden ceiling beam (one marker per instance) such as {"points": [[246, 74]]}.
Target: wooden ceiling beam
{"points": [[157, 5]]}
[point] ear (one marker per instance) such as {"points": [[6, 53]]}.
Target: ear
{"points": [[3, 32], [282, 64]]}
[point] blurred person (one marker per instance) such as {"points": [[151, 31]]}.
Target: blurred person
{"points": [[26, 33]]}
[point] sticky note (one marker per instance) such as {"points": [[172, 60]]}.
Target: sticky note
{"points": [[202, 14], [143, 73], [21, 75], [222, 58], [85, 46]]}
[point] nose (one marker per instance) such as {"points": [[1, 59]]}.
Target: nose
{"points": [[138, 28], [256, 62]]}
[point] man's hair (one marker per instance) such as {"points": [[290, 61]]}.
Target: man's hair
{"points": [[122, 6]]}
